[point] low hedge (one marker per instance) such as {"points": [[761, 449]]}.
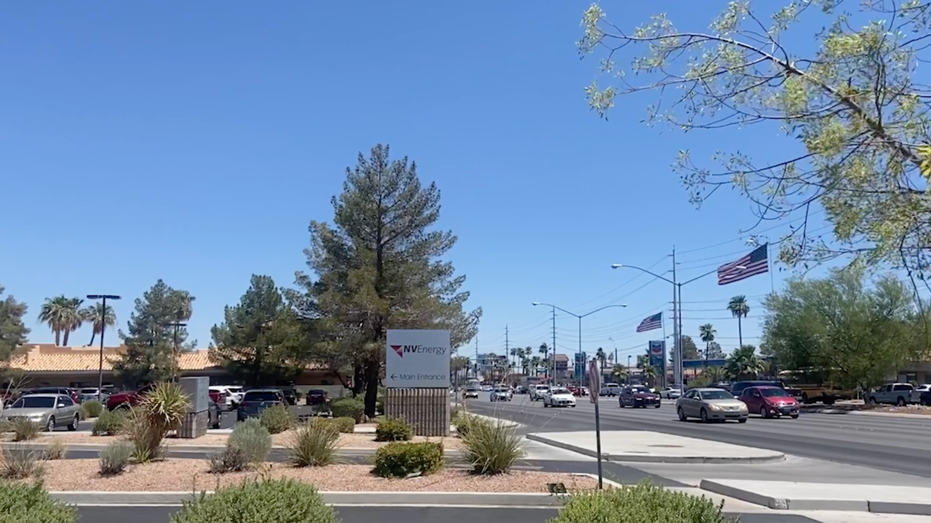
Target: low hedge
{"points": [[400, 460], [260, 501], [643, 503], [25, 503]]}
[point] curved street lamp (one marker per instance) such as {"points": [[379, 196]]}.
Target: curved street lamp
{"points": [[579, 316]]}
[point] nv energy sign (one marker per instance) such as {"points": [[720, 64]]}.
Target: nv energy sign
{"points": [[417, 359]]}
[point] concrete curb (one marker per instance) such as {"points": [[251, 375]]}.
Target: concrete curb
{"points": [[633, 458], [847, 505], [462, 499], [194, 449]]}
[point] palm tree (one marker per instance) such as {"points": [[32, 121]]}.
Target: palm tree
{"points": [[649, 374], [706, 332], [743, 363], [98, 318], [620, 373], [535, 365], [601, 357], [739, 309], [63, 315], [714, 374], [514, 353], [544, 351]]}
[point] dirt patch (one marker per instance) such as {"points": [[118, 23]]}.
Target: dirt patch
{"points": [[193, 475], [352, 441]]}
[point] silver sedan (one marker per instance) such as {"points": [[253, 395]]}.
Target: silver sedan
{"points": [[711, 405]]}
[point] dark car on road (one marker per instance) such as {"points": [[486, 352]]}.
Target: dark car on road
{"points": [[638, 396], [257, 400], [316, 397]]}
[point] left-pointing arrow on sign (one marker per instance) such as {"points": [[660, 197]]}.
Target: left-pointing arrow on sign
{"points": [[394, 376]]}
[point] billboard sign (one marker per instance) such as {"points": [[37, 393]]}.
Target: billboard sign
{"points": [[658, 354], [417, 359]]}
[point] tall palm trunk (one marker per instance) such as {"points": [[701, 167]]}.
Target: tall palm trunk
{"points": [[93, 337], [57, 338], [740, 332]]}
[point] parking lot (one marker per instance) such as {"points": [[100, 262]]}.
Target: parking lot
{"points": [[227, 418]]}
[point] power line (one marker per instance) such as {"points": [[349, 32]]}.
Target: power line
{"points": [[746, 234]]}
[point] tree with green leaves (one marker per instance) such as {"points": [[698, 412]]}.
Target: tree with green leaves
{"points": [[739, 309], [602, 357], [842, 92], [153, 343], [63, 315], [688, 347], [259, 340], [380, 266], [620, 373], [649, 375], [13, 331], [707, 333], [99, 318], [743, 363], [845, 328], [714, 351]]}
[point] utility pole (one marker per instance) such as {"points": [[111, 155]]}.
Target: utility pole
{"points": [[103, 327], [175, 349], [507, 352], [475, 366], [676, 325], [553, 377]]}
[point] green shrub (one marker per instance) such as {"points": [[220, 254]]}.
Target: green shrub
{"points": [[25, 503], [380, 401], [464, 421], [261, 501], [393, 429], [91, 409], [115, 457], [314, 444], [6, 426], [20, 462], [146, 439], [252, 439], [230, 459], [400, 460], [55, 449], [344, 425], [109, 423], [643, 503], [492, 447], [160, 411], [24, 429], [348, 407], [277, 419]]}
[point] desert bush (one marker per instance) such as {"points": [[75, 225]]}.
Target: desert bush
{"points": [[492, 448], [252, 439], [344, 425], [20, 462], [400, 460], [230, 459], [277, 419], [91, 409], [55, 449], [160, 411], [643, 503], [464, 421], [259, 501], [6, 426], [115, 457], [109, 423], [24, 429], [31, 503], [393, 429], [314, 444], [348, 407]]}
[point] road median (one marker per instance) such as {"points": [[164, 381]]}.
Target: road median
{"points": [[655, 447]]}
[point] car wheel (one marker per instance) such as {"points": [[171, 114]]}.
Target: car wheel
{"points": [[872, 401], [742, 420], [704, 416], [794, 416], [50, 426], [620, 404], [73, 426], [681, 414], [900, 402], [573, 406], [658, 405], [763, 412]]}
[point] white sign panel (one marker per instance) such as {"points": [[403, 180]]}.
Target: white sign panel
{"points": [[417, 359]]}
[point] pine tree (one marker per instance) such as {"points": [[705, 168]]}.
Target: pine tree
{"points": [[379, 267], [257, 341], [13, 331], [153, 344]]}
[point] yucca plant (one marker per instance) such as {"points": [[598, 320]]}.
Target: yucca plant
{"points": [[160, 411]]}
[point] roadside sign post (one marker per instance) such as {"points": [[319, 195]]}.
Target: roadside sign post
{"points": [[594, 382]]}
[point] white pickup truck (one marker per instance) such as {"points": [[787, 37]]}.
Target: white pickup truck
{"points": [[537, 392], [894, 394]]}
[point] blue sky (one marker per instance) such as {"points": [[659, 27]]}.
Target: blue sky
{"points": [[194, 142]]}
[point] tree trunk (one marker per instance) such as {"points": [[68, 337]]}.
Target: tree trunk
{"points": [[358, 380], [740, 332], [57, 337], [65, 341], [93, 337], [371, 387]]}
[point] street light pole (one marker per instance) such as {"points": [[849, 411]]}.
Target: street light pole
{"points": [[579, 316], [175, 352], [103, 327]]}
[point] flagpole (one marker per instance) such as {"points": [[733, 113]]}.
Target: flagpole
{"points": [[769, 261]]}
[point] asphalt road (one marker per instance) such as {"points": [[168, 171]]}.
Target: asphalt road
{"points": [[149, 514], [883, 442]]}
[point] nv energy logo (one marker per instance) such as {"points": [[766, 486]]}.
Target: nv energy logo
{"points": [[401, 350]]}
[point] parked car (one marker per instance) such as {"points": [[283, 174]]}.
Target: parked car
{"points": [[711, 405], [500, 394], [671, 393], [93, 393], [255, 401], [559, 397], [316, 397], [127, 399], [638, 396], [228, 399], [71, 393], [47, 410], [894, 394], [770, 401], [215, 414]]}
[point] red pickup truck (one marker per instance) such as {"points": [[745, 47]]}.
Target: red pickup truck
{"points": [[127, 399]]}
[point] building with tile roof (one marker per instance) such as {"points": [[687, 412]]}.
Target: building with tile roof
{"points": [[47, 365]]}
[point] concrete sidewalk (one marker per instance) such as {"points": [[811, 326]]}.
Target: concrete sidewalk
{"points": [[786, 495], [655, 447]]}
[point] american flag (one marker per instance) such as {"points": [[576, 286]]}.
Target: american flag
{"points": [[651, 322], [750, 265]]}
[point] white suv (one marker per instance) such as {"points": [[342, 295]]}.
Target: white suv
{"points": [[538, 392]]}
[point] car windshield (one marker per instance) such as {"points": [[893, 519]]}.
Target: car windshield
{"points": [[716, 395], [88, 391], [261, 396], [639, 390], [33, 402], [561, 391], [775, 393], [318, 392]]}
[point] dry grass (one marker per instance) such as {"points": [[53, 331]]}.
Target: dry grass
{"points": [[349, 441], [187, 475]]}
